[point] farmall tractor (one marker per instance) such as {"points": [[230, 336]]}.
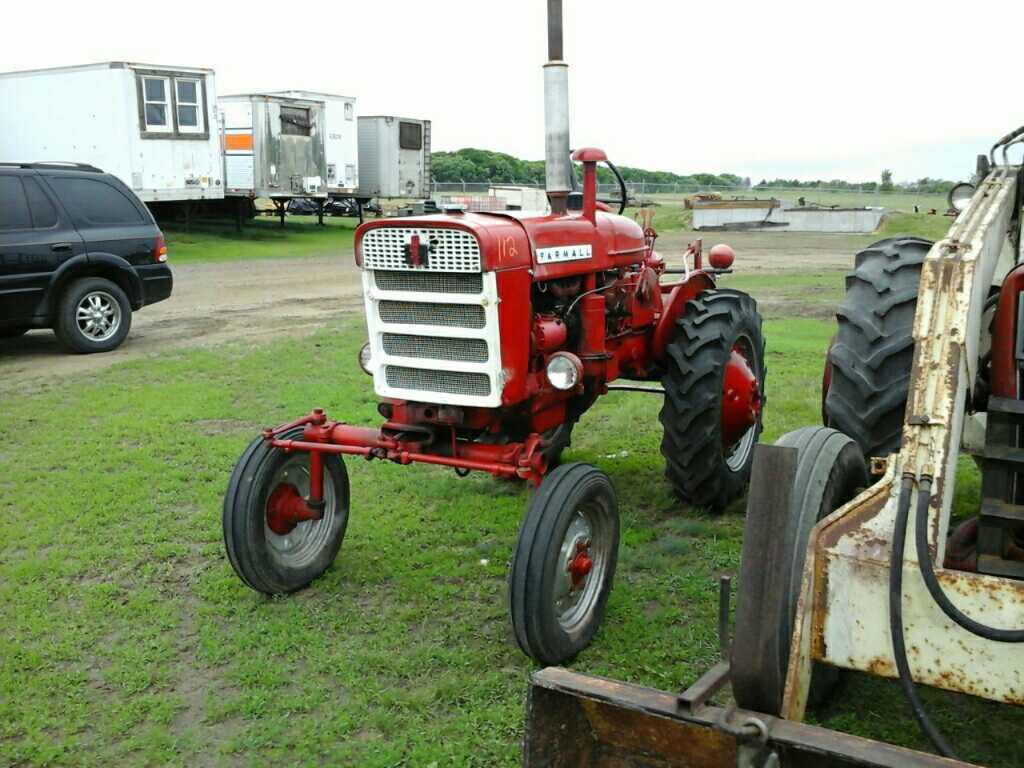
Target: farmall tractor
{"points": [[850, 565], [490, 334]]}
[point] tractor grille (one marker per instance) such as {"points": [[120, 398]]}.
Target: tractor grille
{"points": [[435, 347], [451, 250], [416, 313], [448, 382], [430, 282]]}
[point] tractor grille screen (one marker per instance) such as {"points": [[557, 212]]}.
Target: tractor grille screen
{"points": [[448, 250], [449, 382], [436, 347], [430, 282], [415, 313]]}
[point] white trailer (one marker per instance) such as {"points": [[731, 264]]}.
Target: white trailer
{"points": [[341, 144], [273, 146], [394, 157], [154, 127]]}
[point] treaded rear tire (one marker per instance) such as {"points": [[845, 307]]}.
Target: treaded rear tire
{"points": [[695, 461], [873, 350]]}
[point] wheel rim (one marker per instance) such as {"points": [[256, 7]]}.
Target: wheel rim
{"points": [[740, 402], [302, 545], [98, 316], [582, 565]]}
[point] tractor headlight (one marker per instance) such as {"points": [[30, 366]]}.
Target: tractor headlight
{"points": [[960, 196], [365, 356], [564, 370]]}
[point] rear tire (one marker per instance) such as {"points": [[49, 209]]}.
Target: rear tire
{"points": [[702, 470], [557, 601], [873, 349], [268, 562], [93, 315], [830, 471]]}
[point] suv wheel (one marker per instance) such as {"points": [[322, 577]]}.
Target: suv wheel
{"points": [[94, 316]]}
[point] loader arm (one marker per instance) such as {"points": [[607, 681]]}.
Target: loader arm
{"points": [[842, 617]]}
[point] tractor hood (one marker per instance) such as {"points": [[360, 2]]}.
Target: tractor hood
{"points": [[553, 246]]}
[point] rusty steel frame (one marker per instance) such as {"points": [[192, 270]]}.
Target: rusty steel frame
{"points": [[583, 720], [842, 616]]}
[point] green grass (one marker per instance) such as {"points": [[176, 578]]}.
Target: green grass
{"points": [[126, 639], [261, 238]]}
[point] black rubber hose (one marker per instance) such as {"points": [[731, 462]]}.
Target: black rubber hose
{"points": [[924, 559], [899, 648]]}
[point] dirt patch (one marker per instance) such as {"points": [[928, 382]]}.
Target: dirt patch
{"points": [[266, 299]]}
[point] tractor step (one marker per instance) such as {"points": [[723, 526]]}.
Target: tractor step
{"points": [[1004, 455], [1008, 406], [1002, 510]]}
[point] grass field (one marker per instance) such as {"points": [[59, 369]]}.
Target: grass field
{"points": [[260, 238], [126, 639]]}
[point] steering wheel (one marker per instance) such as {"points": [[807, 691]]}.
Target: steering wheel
{"points": [[621, 201]]}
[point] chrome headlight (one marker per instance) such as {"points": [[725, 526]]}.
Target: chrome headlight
{"points": [[960, 196], [365, 358], [564, 370]]}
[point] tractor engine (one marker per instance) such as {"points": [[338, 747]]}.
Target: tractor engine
{"points": [[502, 325]]}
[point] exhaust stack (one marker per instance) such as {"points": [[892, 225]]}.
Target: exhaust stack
{"points": [[557, 166]]}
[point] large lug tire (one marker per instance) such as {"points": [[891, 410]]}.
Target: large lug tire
{"points": [[873, 350], [564, 563], [830, 470], [702, 470], [277, 564], [93, 315]]}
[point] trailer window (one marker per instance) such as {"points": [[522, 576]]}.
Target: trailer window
{"points": [[410, 136], [13, 206], [189, 118], [295, 121], [349, 111], [155, 93]]}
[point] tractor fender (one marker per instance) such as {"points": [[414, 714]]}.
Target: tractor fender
{"points": [[105, 265], [673, 306]]}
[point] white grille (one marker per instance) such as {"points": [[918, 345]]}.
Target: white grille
{"points": [[435, 347], [429, 282], [450, 250], [448, 382], [416, 313]]}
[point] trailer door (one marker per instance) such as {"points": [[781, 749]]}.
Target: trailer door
{"points": [[410, 159]]}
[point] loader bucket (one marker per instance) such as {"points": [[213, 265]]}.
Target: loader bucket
{"points": [[580, 720]]}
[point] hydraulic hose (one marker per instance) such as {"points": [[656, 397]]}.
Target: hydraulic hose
{"points": [[924, 559], [899, 648]]}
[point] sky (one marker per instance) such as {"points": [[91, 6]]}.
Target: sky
{"points": [[786, 89]]}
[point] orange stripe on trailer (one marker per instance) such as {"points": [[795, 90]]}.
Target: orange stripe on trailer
{"points": [[238, 141]]}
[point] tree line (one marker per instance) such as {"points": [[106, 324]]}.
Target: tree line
{"points": [[482, 165]]}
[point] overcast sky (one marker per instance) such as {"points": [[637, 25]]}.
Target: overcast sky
{"points": [[761, 89]]}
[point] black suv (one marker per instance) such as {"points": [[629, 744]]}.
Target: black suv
{"points": [[78, 253]]}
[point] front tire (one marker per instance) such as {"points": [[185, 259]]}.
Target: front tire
{"points": [[830, 470], [93, 315], [703, 467], [278, 563], [873, 349], [562, 570]]}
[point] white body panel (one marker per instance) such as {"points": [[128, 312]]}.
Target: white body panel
{"points": [[91, 114], [341, 143], [261, 159], [386, 169]]}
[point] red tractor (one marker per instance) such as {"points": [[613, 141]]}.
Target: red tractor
{"points": [[490, 335]]}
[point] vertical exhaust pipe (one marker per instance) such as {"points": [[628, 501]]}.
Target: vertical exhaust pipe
{"points": [[557, 166]]}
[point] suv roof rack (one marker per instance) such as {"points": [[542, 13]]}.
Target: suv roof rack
{"points": [[58, 164]]}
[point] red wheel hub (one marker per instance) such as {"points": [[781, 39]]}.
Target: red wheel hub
{"points": [[286, 508], [741, 398], [581, 565]]}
